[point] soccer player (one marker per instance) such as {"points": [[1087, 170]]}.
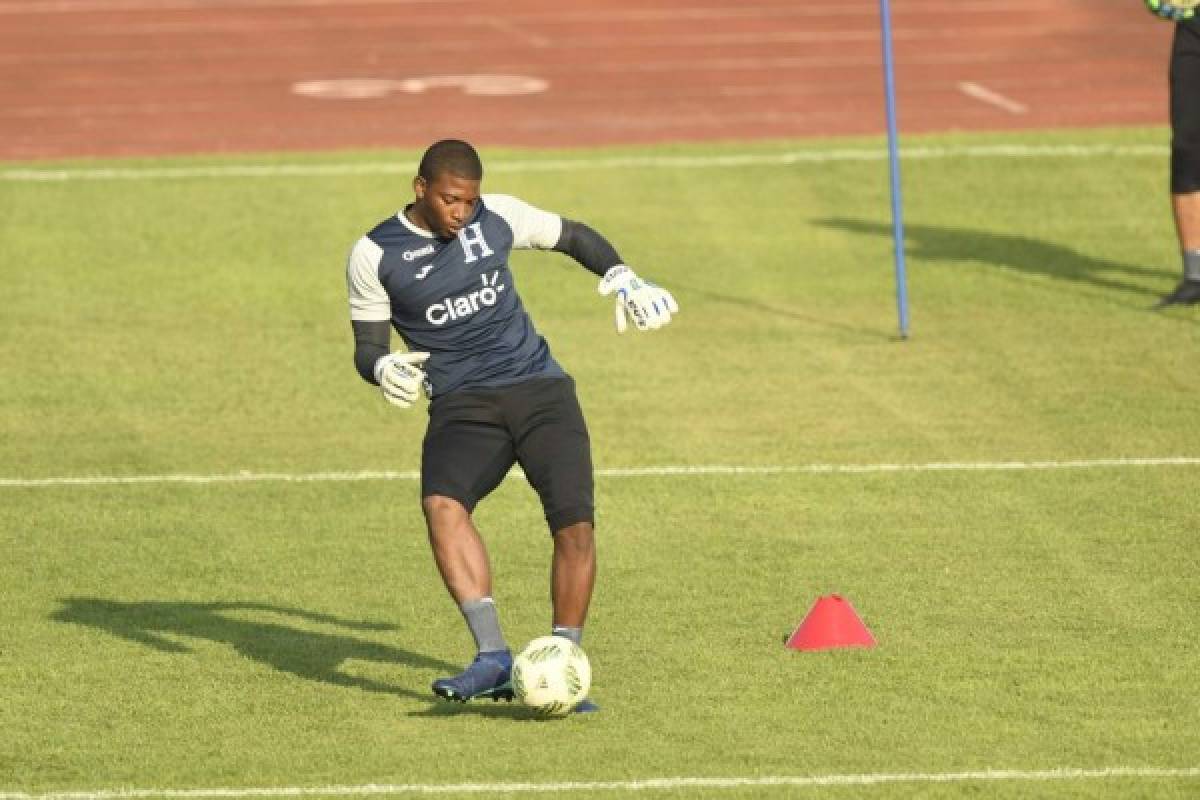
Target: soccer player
{"points": [[1185, 145], [438, 273]]}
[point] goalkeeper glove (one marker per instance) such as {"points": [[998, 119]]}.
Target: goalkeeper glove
{"points": [[650, 306], [1175, 13], [400, 377]]}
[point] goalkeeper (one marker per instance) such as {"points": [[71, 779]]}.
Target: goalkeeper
{"points": [[1185, 144], [437, 272]]}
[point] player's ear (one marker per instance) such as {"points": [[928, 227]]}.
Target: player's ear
{"points": [[419, 186]]}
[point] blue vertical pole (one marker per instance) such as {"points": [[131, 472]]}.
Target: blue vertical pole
{"points": [[889, 85]]}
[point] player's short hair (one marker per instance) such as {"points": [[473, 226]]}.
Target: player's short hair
{"points": [[451, 155]]}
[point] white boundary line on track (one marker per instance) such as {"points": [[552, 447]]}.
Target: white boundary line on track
{"points": [[570, 164], [611, 472], [985, 95], [649, 784]]}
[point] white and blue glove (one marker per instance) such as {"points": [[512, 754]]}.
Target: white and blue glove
{"points": [[1178, 11], [650, 306], [400, 377]]}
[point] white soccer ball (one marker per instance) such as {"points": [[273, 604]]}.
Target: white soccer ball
{"points": [[551, 675]]}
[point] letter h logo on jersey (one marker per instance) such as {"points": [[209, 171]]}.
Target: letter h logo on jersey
{"points": [[469, 241]]}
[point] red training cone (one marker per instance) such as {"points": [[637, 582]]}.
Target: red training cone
{"points": [[831, 622]]}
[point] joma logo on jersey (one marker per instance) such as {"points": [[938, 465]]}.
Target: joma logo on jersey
{"points": [[413, 255], [465, 305]]}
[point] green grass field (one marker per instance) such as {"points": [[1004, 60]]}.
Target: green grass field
{"points": [[1034, 598]]}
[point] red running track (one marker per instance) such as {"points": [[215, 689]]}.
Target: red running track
{"points": [[149, 77]]}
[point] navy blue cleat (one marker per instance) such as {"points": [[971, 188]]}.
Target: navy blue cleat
{"points": [[489, 676], [586, 706]]}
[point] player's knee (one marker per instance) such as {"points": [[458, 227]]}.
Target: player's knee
{"points": [[579, 538], [560, 517], [441, 507], [1185, 166]]}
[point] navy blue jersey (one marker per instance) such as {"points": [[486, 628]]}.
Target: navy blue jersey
{"points": [[455, 298]]}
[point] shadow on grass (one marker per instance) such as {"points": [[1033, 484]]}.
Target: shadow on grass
{"points": [[307, 654], [931, 243], [482, 708], [781, 311]]}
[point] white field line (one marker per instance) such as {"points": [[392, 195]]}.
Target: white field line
{"points": [[649, 784], [986, 95], [732, 160], [245, 476]]}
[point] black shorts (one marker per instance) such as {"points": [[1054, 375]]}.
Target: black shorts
{"points": [[1185, 109], [475, 436]]}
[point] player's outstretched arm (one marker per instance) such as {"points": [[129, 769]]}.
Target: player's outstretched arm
{"points": [[650, 306], [1178, 11], [400, 376]]}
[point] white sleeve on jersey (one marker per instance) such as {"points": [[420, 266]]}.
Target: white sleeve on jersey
{"points": [[532, 228], [368, 299]]}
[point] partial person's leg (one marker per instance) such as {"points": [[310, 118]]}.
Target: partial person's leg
{"points": [[1187, 225], [462, 560], [555, 451], [465, 456], [1185, 161], [572, 577], [1187, 220], [458, 549]]}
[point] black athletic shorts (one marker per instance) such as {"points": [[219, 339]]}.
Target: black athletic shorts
{"points": [[1185, 109], [475, 436]]}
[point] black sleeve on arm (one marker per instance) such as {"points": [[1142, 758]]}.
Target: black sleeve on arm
{"points": [[372, 339], [587, 247]]}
